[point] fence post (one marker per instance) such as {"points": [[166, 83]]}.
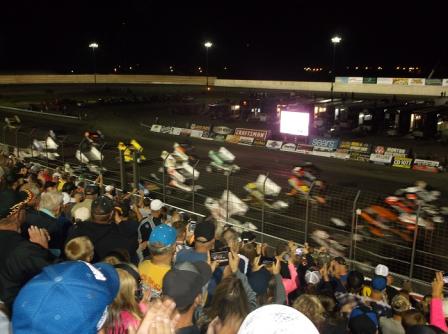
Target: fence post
{"points": [[354, 223], [122, 170], [163, 178], [414, 242], [136, 177], [263, 206], [307, 211], [193, 186]]}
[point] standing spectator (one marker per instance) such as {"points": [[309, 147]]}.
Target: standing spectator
{"points": [[393, 325], [20, 259], [46, 217], [106, 235], [204, 241], [378, 300], [311, 306], [188, 295], [162, 245], [80, 248], [91, 193], [69, 298]]}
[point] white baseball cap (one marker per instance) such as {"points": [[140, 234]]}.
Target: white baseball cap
{"points": [[312, 277], [381, 270], [82, 214], [109, 188], [156, 205], [274, 318]]}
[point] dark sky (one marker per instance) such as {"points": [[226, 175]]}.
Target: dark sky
{"points": [[272, 39]]}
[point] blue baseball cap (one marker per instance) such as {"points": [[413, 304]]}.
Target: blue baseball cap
{"points": [[163, 235], [379, 283], [69, 297]]}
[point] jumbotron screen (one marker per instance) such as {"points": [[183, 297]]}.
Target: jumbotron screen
{"points": [[294, 123]]}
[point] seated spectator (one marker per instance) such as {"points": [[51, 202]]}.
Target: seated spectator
{"points": [[271, 319], [189, 295], [130, 304], [80, 248], [104, 234], [20, 258], [69, 297], [204, 240], [393, 325], [162, 245], [46, 217]]}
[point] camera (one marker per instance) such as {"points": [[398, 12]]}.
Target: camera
{"points": [[222, 257]]}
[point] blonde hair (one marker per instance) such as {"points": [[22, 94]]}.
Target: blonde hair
{"points": [[310, 306], [80, 248], [124, 301]]}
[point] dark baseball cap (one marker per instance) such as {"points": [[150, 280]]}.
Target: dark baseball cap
{"points": [[92, 189], [102, 205], [249, 235], [204, 231], [185, 281]]}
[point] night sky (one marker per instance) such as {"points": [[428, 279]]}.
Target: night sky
{"points": [[253, 39]]}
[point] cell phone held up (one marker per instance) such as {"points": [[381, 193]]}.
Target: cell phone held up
{"points": [[222, 257], [265, 260]]}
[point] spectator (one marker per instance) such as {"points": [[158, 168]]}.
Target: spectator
{"points": [[339, 272], [150, 222], [189, 295], [266, 320], [20, 259], [5, 324], [393, 325], [438, 306], [91, 193], [117, 256], [181, 235], [69, 297], [378, 300], [80, 248], [391, 292], [161, 245], [104, 234], [46, 217], [204, 236], [129, 306], [412, 318], [363, 320], [110, 192], [311, 306]]}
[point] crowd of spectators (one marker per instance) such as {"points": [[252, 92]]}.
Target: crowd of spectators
{"points": [[76, 257]]}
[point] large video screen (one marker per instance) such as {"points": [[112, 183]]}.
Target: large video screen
{"points": [[294, 123]]}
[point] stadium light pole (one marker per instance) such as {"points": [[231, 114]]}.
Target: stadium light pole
{"points": [[207, 45], [335, 40], [93, 46]]}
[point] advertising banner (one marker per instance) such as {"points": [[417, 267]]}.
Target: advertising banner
{"points": [[381, 159], [254, 133], [326, 154], [289, 147], [204, 128], [433, 82], [426, 165], [359, 156], [354, 146], [156, 128], [396, 152], [175, 131], [274, 144], [355, 80], [185, 132], [368, 80], [402, 162], [342, 80], [196, 133], [219, 137], [222, 130], [324, 144], [304, 149], [445, 82], [400, 81], [165, 129], [246, 140], [259, 142], [234, 139], [341, 155], [416, 82], [384, 81]]}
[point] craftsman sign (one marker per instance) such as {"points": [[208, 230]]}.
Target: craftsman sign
{"points": [[254, 133]]}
